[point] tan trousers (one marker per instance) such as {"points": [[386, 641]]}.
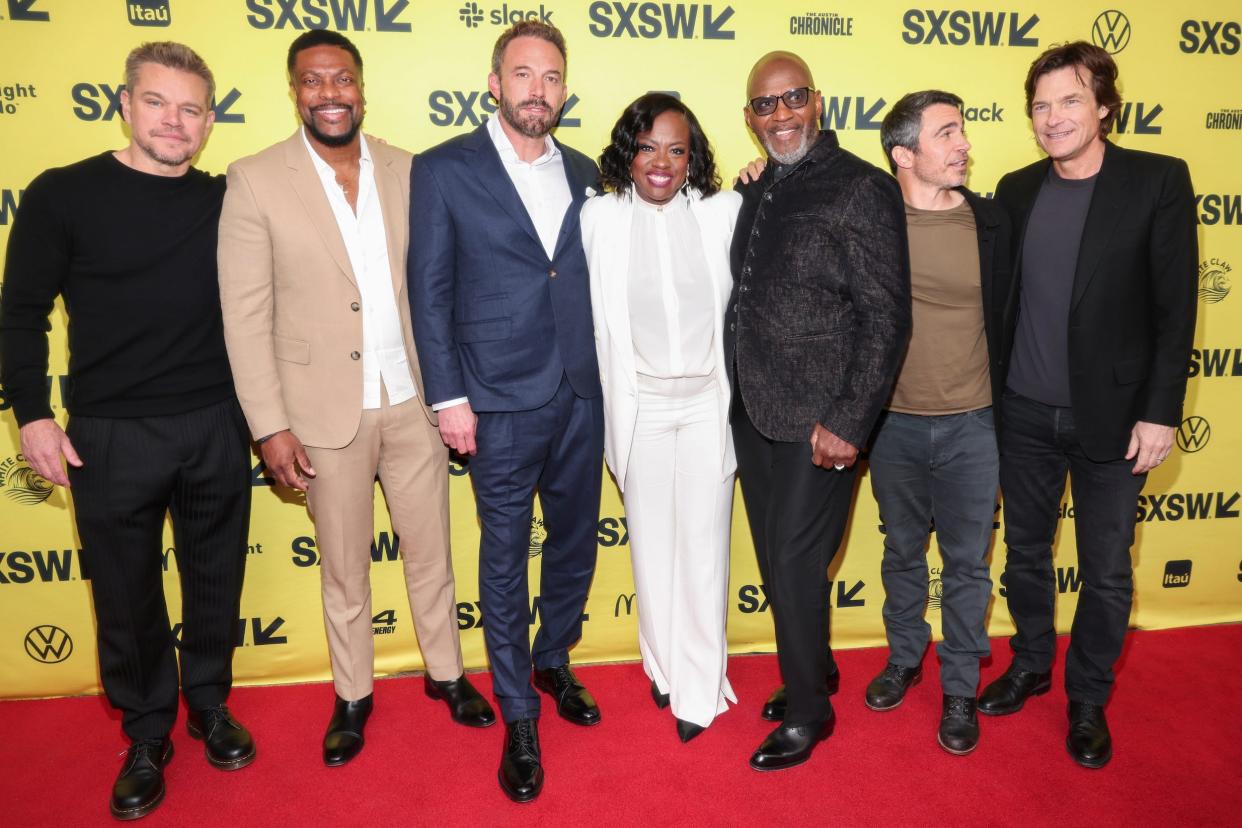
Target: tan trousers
{"points": [[400, 444]]}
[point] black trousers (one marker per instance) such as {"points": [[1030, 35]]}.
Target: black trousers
{"points": [[798, 513], [194, 467], [1038, 447]]}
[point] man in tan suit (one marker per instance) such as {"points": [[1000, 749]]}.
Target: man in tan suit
{"points": [[317, 323]]}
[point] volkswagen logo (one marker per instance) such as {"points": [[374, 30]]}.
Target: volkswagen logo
{"points": [[1193, 434], [1111, 31], [48, 644]]}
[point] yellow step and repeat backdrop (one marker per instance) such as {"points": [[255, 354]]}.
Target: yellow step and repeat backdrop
{"points": [[426, 70]]}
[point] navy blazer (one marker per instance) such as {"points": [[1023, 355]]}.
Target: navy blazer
{"points": [[495, 319]]}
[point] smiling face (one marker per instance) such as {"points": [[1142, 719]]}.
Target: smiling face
{"points": [[661, 158], [1066, 116], [787, 134], [169, 114], [943, 149], [328, 87], [530, 88]]}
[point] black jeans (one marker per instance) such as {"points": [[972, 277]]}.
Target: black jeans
{"points": [[1038, 447]]}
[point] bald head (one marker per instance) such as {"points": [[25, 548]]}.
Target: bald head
{"points": [[789, 130], [784, 64]]}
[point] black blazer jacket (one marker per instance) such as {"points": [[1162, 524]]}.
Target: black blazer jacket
{"points": [[995, 275], [1132, 312]]}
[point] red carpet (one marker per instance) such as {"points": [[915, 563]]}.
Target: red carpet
{"points": [[1176, 723]]}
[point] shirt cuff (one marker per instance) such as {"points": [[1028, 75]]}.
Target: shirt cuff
{"points": [[440, 406]]}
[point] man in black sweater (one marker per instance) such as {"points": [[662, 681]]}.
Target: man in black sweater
{"points": [[128, 239]]}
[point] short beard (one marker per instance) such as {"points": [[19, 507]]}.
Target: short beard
{"points": [[341, 140], [531, 127], [796, 154], [167, 160]]}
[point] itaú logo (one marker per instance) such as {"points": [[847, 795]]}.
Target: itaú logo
{"points": [[48, 644]]}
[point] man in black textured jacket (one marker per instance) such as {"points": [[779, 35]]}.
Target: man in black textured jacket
{"points": [[817, 324]]}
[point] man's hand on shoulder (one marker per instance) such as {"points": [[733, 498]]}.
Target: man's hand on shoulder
{"points": [[285, 457], [44, 443], [457, 426], [751, 172], [829, 450]]}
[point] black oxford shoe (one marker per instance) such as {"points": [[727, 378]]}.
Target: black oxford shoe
{"points": [[888, 689], [573, 701], [227, 744], [661, 699], [790, 745], [344, 739], [466, 705], [959, 725], [521, 774], [774, 707], [139, 787], [688, 730], [1089, 742], [1009, 692]]}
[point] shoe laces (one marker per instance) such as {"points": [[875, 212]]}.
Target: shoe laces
{"points": [[212, 716], [892, 672], [563, 675], [957, 707], [148, 750], [522, 737]]}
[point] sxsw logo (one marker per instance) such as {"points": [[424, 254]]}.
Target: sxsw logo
{"points": [[1069, 580], [257, 631], [1214, 283], [44, 566], [9, 199], [1215, 362], [473, 15], [25, 10], [102, 102], [1187, 506], [1193, 434], [385, 547], [342, 15], [1111, 31], [1138, 119], [470, 614], [1200, 37], [149, 12], [48, 644], [1218, 208], [866, 113], [456, 108], [752, 598], [612, 531], [676, 21], [958, 27], [1177, 574]]}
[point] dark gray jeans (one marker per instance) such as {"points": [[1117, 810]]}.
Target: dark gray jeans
{"points": [[942, 469]]}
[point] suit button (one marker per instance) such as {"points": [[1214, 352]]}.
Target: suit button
{"points": [[732, 327], [735, 309], [767, 196], [746, 271], [355, 355], [755, 232], [744, 288], [353, 306], [551, 274]]}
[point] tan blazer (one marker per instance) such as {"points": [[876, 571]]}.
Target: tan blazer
{"points": [[292, 319]]}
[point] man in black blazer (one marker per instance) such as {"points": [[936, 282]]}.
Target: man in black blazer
{"points": [[1099, 329], [817, 323]]}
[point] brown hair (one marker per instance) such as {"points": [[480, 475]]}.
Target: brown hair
{"points": [[527, 28], [172, 55], [1082, 57]]}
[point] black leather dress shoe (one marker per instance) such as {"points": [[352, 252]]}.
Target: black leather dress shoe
{"points": [[1089, 742], [228, 745], [790, 745], [1009, 692], [661, 699], [139, 787], [688, 730], [466, 705], [573, 701], [521, 775], [888, 689], [959, 726], [344, 739], [774, 707]]}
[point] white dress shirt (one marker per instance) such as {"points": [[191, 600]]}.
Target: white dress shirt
{"points": [[670, 291], [384, 360]]}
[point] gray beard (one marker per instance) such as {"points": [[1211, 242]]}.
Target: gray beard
{"points": [[796, 154], [531, 127]]}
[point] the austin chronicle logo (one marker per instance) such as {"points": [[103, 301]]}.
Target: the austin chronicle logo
{"points": [[22, 483], [48, 644]]}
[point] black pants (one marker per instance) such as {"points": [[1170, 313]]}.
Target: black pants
{"points": [[194, 467], [798, 513], [1039, 445]]}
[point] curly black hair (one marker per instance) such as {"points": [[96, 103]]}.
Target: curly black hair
{"points": [[615, 161]]}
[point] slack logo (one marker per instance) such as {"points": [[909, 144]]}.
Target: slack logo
{"points": [[1176, 574]]}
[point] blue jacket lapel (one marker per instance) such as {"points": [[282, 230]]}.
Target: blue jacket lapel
{"points": [[491, 173]]}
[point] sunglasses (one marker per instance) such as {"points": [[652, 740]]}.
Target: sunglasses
{"points": [[794, 99]]}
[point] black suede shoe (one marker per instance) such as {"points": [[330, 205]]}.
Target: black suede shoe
{"points": [[139, 787], [1009, 692], [344, 738], [1089, 742], [959, 726], [573, 701], [790, 745], [774, 707], [227, 744], [888, 689], [688, 730], [661, 699], [466, 705], [521, 775]]}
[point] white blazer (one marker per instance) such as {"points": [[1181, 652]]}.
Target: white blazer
{"points": [[606, 222]]}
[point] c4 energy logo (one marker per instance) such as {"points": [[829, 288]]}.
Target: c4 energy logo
{"points": [[1111, 31], [1218, 208], [342, 15], [25, 10], [1213, 279], [457, 108], [48, 644], [1138, 118], [675, 21], [1177, 574], [821, 24], [867, 113], [1193, 434], [149, 12], [538, 534], [12, 95], [473, 15], [1214, 37], [22, 483], [384, 622], [960, 27], [1215, 362], [102, 102]]}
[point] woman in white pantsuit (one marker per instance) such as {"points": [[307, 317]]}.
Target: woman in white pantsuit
{"points": [[658, 250]]}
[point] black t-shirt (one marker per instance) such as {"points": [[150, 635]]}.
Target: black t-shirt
{"points": [[134, 256]]}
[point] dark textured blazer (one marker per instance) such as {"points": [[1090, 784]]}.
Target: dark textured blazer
{"points": [[495, 319], [820, 312], [995, 274], [1132, 312]]}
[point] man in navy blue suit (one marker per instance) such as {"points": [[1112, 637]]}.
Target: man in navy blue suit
{"points": [[502, 320]]}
